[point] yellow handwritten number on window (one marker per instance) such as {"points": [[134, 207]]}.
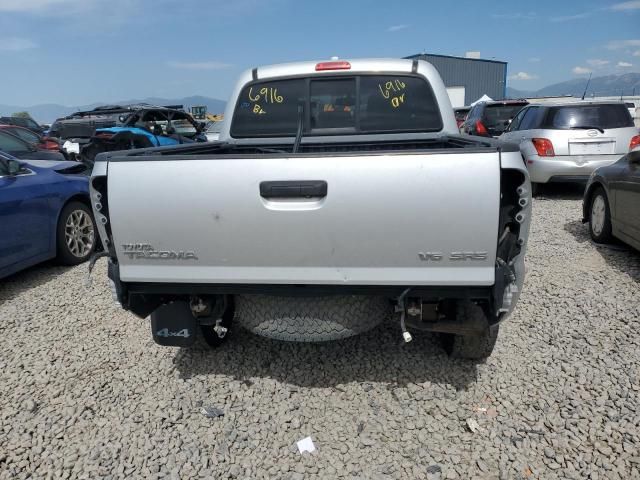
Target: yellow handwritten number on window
{"points": [[394, 86], [266, 94]]}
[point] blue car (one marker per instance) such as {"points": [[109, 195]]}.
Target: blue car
{"points": [[44, 213]]}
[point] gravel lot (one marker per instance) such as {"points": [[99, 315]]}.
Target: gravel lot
{"points": [[84, 392]]}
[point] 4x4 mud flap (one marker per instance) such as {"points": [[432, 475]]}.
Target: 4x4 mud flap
{"points": [[173, 325]]}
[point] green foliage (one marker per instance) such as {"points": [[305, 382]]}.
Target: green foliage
{"points": [[22, 115]]}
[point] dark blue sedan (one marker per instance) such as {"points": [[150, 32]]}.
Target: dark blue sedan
{"points": [[44, 213]]}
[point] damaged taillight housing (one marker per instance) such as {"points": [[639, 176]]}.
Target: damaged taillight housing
{"points": [[100, 205], [514, 210]]}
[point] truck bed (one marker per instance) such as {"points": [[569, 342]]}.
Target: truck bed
{"points": [[440, 144]]}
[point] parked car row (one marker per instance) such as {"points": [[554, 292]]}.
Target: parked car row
{"points": [[82, 135], [595, 143], [558, 142]]}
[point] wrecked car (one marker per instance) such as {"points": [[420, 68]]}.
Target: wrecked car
{"points": [[110, 128]]}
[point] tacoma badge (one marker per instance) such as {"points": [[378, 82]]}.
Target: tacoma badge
{"points": [[145, 250]]}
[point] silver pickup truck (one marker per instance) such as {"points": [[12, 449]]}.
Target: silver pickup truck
{"points": [[340, 195]]}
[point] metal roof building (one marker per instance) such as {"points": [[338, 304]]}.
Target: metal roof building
{"points": [[478, 76]]}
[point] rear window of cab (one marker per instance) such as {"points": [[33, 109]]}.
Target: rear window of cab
{"points": [[335, 105]]}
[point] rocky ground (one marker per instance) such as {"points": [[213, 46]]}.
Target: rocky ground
{"points": [[85, 393]]}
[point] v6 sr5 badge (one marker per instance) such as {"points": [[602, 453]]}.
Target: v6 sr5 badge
{"points": [[452, 256]]}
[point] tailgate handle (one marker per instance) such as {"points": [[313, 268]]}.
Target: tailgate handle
{"points": [[293, 189]]}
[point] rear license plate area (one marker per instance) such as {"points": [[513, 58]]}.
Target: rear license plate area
{"points": [[591, 148]]}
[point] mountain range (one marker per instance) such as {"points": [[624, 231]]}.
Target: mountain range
{"points": [[609, 85], [47, 113]]}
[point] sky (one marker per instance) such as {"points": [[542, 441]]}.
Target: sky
{"points": [[76, 52]]}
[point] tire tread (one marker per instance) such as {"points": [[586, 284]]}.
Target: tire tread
{"points": [[476, 346], [310, 319]]}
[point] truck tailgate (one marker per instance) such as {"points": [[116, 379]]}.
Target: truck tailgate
{"points": [[397, 219]]}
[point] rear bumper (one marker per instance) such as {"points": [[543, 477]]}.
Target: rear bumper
{"points": [[566, 168], [447, 275], [123, 291], [142, 298]]}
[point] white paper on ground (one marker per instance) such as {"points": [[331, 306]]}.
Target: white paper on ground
{"points": [[306, 445]]}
